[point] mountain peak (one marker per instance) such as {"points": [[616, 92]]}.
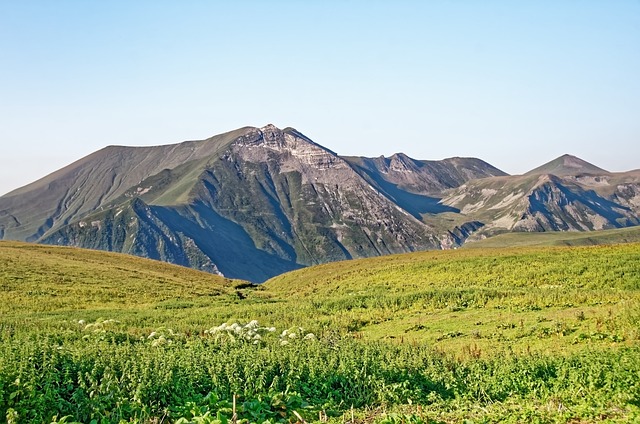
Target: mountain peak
{"points": [[567, 165], [271, 129]]}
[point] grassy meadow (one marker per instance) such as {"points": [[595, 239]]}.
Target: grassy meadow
{"points": [[560, 238], [539, 334]]}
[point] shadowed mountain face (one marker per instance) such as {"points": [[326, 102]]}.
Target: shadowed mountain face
{"points": [[93, 182], [416, 185], [256, 202]]}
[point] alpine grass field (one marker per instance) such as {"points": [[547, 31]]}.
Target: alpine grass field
{"points": [[528, 334]]}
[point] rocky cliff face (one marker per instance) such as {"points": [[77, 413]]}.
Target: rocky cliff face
{"points": [[304, 203], [544, 202], [556, 206]]}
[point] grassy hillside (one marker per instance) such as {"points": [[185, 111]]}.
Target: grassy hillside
{"points": [[560, 238], [49, 283], [473, 301], [487, 335]]}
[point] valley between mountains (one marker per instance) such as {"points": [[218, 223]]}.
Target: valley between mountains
{"points": [[257, 202]]}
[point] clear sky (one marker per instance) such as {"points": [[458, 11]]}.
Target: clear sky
{"points": [[516, 83]]}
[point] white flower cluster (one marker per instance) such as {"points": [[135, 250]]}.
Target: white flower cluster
{"points": [[251, 332], [101, 325], [291, 334], [254, 333], [162, 336]]}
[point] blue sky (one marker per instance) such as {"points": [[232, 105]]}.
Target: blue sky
{"points": [[516, 83]]}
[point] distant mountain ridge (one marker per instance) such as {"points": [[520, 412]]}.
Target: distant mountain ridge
{"points": [[256, 202]]}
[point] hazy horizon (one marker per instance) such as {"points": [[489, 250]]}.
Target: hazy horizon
{"points": [[515, 85]]}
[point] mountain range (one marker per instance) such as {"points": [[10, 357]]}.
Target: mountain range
{"points": [[256, 202]]}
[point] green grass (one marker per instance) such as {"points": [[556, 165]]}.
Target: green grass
{"points": [[42, 284], [540, 299], [541, 334], [561, 238]]}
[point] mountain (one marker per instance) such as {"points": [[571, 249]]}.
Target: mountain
{"points": [[416, 184], [247, 204], [255, 202], [567, 165], [92, 182], [566, 194]]}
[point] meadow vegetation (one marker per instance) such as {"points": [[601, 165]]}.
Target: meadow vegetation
{"points": [[478, 335], [560, 238]]}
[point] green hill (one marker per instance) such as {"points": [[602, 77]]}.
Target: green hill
{"points": [[488, 298], [544, 334], [523, 298], [560, 238], [49, 283]]}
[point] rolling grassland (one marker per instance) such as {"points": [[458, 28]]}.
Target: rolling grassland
{"points": [[560, 238], [538, 334]]}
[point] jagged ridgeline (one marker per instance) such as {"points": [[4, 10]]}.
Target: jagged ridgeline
{"points": [[256, 202]]}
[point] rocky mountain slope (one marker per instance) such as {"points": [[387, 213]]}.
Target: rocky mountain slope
{"points": [[575, 196], [256, 202]]}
